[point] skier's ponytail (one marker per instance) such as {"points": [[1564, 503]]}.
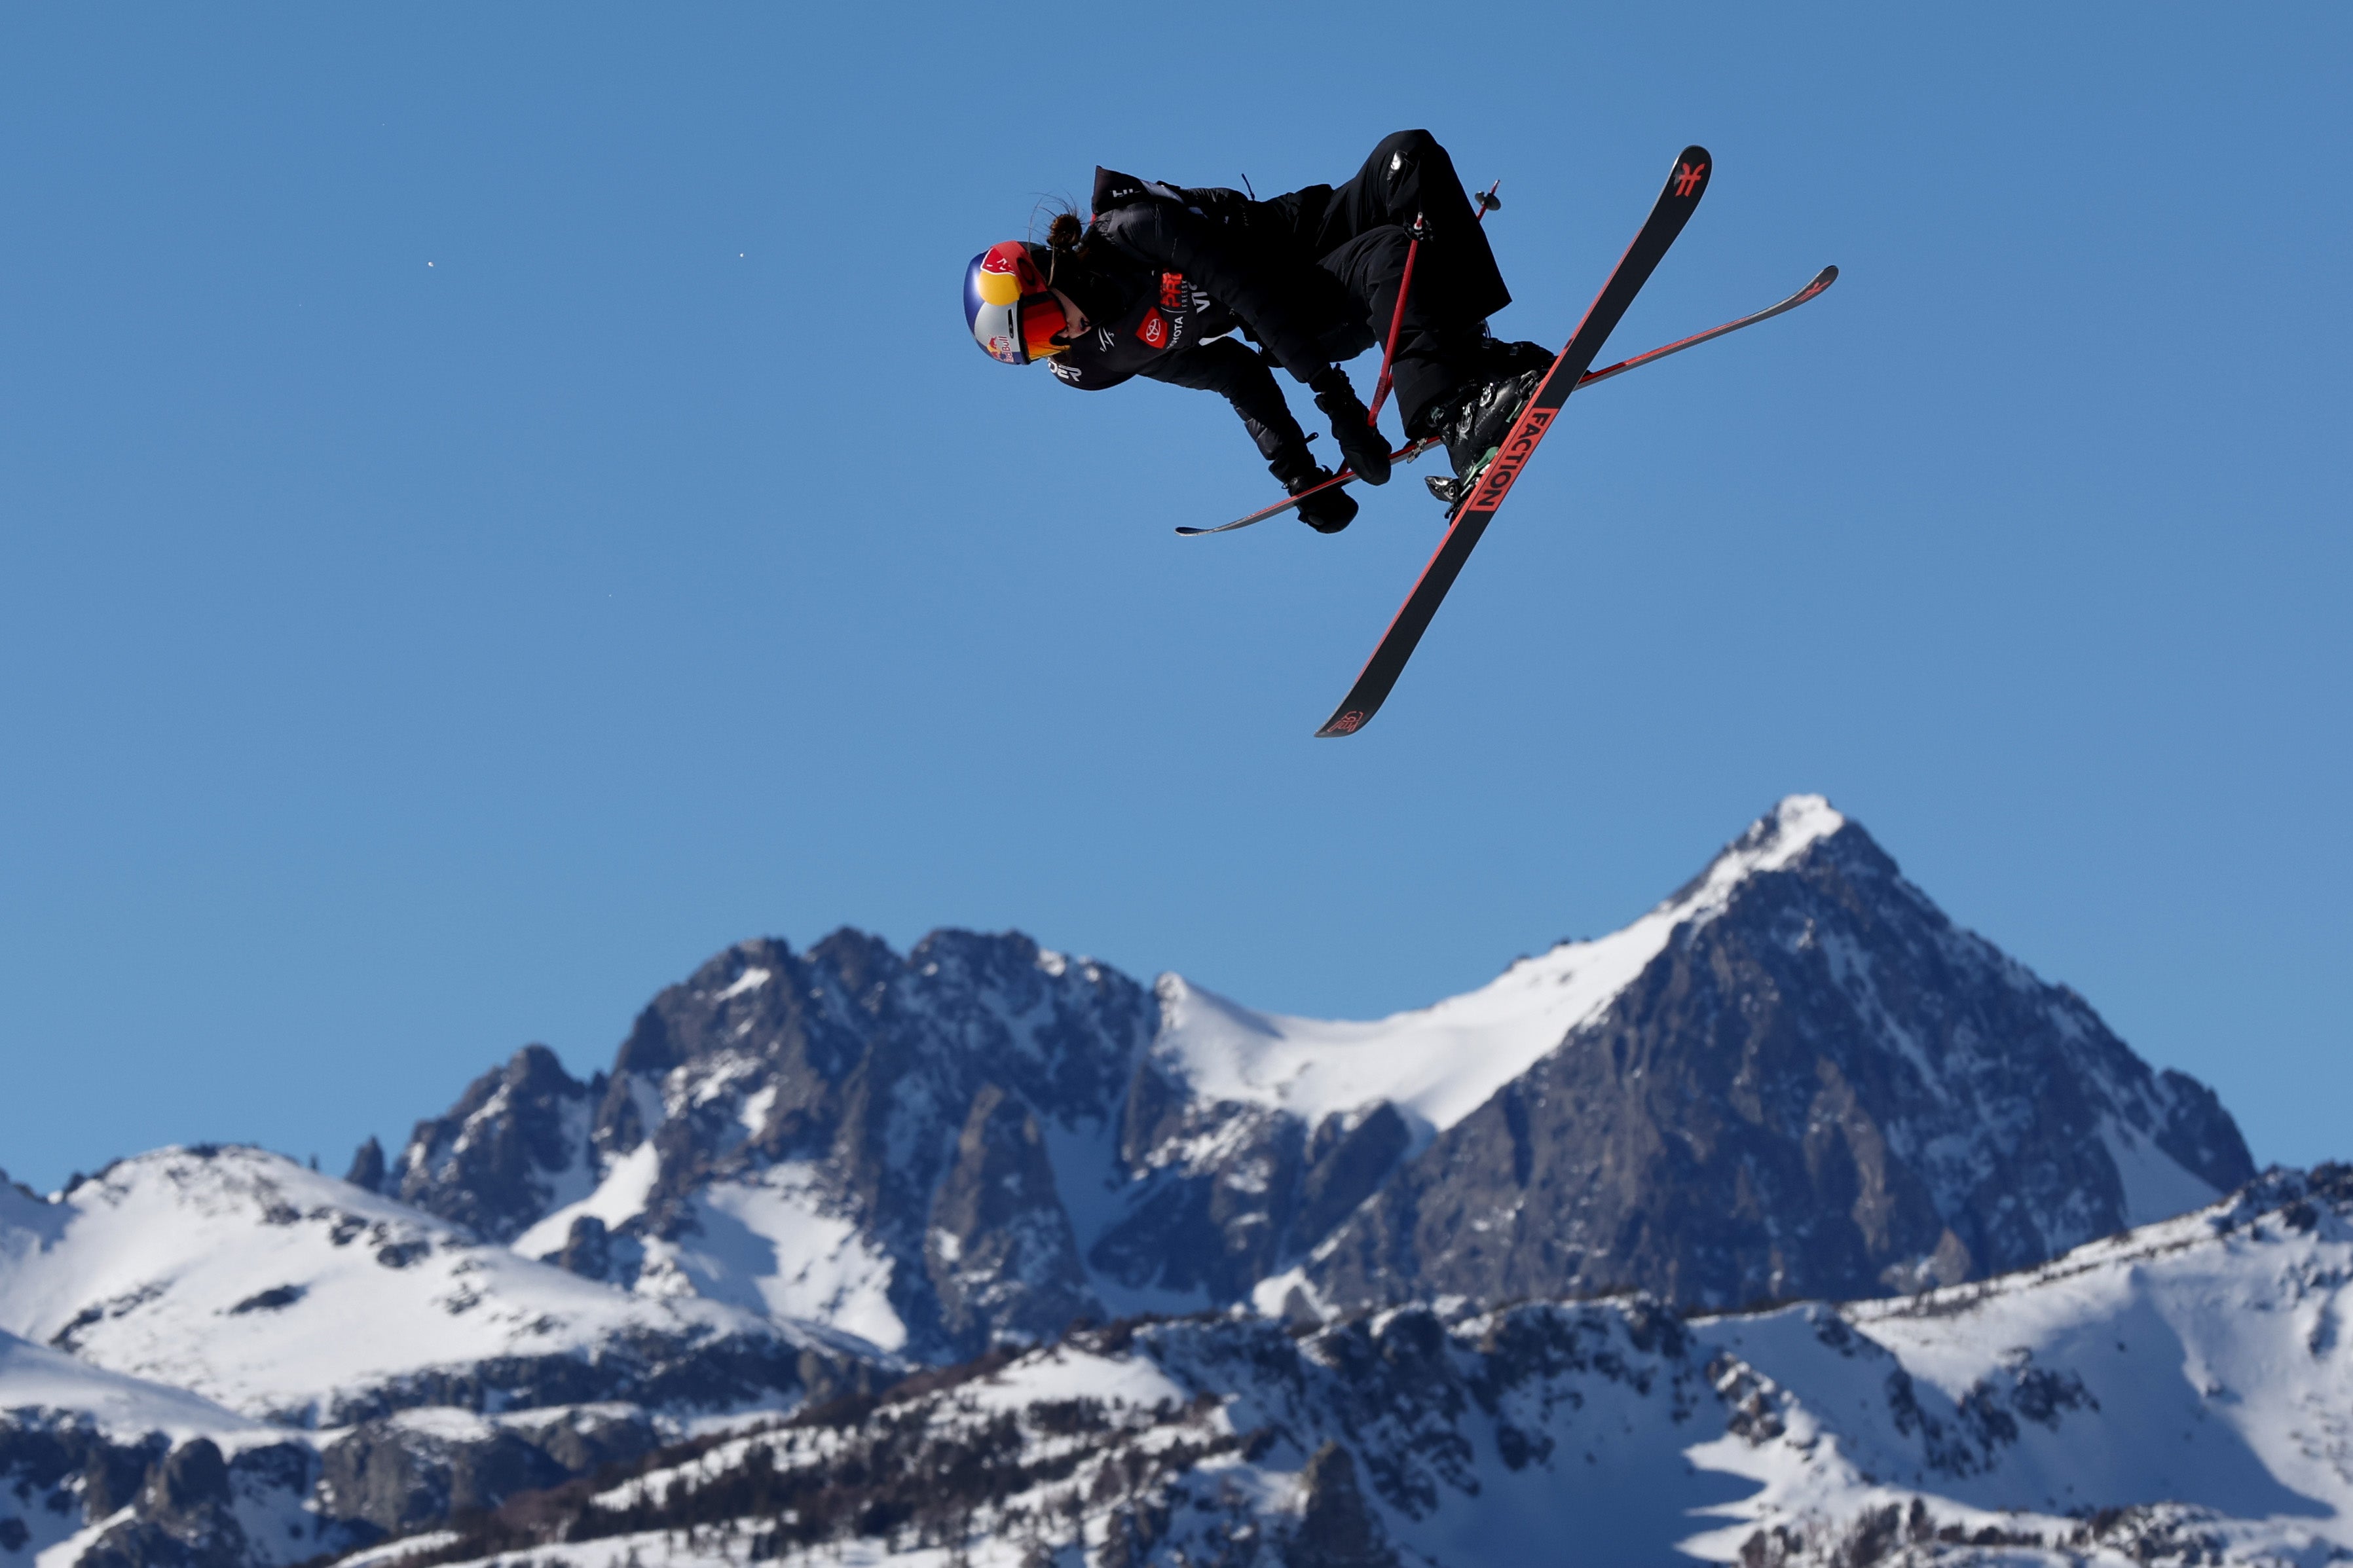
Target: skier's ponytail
{"points": [[1066, 242], [1076, 260]]}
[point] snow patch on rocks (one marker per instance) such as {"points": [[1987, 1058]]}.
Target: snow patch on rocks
{"points": [[1439, 1063]]}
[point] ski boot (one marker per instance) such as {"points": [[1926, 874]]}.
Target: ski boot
{"points": [[1473, 420]]}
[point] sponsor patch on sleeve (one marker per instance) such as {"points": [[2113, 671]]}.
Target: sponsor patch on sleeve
{"points": [[1153, 329]]}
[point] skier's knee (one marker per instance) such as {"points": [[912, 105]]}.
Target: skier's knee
{"points": [[1408, 159]]}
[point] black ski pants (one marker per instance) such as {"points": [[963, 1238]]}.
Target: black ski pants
{"points": [[1356, 233]]}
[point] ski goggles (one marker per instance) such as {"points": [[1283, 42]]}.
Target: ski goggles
{"points": [[1005, 304]]}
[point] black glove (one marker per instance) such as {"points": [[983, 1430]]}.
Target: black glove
{"points": [[1366, 449], [1328, 511]]}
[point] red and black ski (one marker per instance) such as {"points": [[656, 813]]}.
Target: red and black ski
{"points": [[1472, 515], [1412, 450]]}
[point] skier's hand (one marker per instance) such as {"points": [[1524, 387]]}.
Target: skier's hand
{"points": [[1329, 510], [1366, 449]]}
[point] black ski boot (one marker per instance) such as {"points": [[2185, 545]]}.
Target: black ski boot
{"points": [[1474, 420], [1499, 358]]}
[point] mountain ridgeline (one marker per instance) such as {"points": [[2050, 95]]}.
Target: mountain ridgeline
{"points": [[1795, 1078], [714, 1292]]}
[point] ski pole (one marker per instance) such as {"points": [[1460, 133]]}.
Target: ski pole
{"points": [[1486, 203], [1396, 323]]}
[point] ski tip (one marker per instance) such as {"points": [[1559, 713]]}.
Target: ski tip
{"points": [[1826, 276], [1189, 532], [1688, 180], [1347, 722]]}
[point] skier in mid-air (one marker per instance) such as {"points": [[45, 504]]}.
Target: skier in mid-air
{"points": [[1156, 282]]}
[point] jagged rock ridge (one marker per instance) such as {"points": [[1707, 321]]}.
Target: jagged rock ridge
{"points": [[1795, 1077], [845, 1135]]}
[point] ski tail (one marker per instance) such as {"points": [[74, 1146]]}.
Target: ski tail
{"points": [[1676, 202], [1821, 280]]}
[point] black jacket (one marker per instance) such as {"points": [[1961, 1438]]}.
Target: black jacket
{"points": [[1172, 273]]}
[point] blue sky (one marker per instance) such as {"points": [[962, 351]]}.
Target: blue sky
{"points": [[498, 502]]}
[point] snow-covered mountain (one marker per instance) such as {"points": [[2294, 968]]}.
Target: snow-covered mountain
{"points": [[1811, 1084], [1794, 1076], [878, 1143], [100, 1468], [298, 1300], [2180, 1394], [809, 1173], [215, 1355]]}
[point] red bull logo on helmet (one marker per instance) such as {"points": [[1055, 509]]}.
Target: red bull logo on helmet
{"points": [[1012, 316]]}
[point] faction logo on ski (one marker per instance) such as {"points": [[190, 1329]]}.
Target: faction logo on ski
{"points": [[1687, 178], [1347, 723], [1510, 460], [1153, 329]]}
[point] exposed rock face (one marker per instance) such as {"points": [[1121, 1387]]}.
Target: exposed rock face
{"points": [[1000, 1254], [587, 1248], [188, 1506], [1824, 1089], [898, 1110], [406, 1475], [1795, 1077], [367, 1172], [62, 1471], [1335, 1528], [1224, 1194], [500, 1159], [193, 1504]]}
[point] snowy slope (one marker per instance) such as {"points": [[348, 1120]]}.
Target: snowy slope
{"points": [[1440, 1063], [34, 1380], [2179, 1394], [78, 1445], [246, 1279]]}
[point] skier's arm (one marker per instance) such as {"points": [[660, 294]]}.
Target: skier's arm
{"points": [[1225, 366]]}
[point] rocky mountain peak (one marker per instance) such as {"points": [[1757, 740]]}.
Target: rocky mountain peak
{"points": [[848, 1098], [1772, 843], [1794, 1075], [1816, 1084], [505, 1152]]}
